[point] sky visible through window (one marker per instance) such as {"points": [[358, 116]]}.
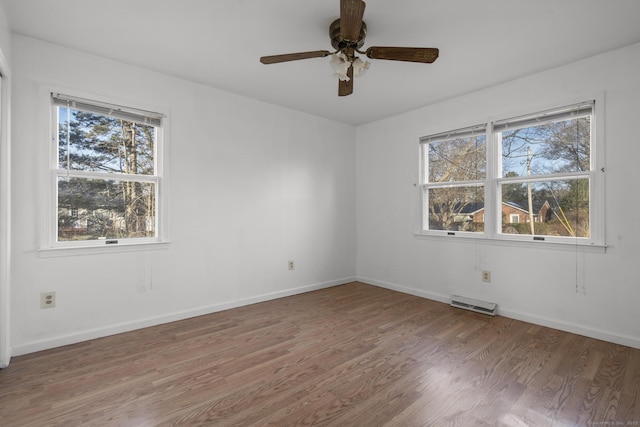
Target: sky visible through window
{"points": [[109, 203]]}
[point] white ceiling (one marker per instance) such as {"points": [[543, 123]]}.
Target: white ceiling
{"points": [[218, 43]]}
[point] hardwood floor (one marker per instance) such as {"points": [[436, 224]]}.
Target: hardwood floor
{"points": [[352, 355]]}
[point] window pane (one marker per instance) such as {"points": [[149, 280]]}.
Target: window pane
{"points": [[558, 208], [98, 143], [460, 159], [562, 146], [92, 209], [456, 208]]}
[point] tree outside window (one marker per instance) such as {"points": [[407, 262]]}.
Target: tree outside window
{"points": [[107, 177]]}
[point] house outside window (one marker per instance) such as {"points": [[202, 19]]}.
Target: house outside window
{"points": [[529, 176], [107, 174]]}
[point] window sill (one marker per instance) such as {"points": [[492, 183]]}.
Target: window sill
{"points": [[100, 249], [531, 244]]}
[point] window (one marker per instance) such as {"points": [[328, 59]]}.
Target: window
{"points": [[454, 174], [534, 178], [106, 173]]}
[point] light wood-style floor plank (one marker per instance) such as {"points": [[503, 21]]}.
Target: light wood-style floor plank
{"points": [[352, 355]]}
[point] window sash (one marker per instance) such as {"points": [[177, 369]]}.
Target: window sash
{"points": [[468, 132], [106, 211], [456, 216], [55, 161], [567, 215]]}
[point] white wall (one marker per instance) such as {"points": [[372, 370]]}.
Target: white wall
{"points": [[533, 284], [251, 186]]}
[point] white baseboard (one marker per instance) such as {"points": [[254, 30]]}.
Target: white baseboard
{"points": [[590, 332], [405, 290], [517, 315], [74, 338]]}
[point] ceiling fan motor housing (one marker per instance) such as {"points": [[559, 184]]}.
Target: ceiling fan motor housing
{"points": [[339, 43]]}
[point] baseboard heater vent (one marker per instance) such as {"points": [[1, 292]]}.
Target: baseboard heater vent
{"points": [[478, 306]]}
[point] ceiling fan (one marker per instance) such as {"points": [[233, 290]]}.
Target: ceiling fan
{"points": [[347, 35]]}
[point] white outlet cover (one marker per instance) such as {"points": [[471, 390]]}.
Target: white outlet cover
{"points": [[47, 299]]}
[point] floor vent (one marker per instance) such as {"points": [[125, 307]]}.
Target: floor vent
{"points": [[478, 306]]}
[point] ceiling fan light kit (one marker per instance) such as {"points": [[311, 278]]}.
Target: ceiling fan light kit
{"points": [[360, 67], [340, 65], [347, 36]]}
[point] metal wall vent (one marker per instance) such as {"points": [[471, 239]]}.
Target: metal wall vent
{"points": [[478, 306]]}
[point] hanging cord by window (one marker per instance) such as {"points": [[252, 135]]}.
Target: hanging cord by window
{"points": [[68, 137]]}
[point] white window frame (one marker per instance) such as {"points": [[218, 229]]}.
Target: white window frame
{"points": [[492, 225], [49, 243], [425, 186]]}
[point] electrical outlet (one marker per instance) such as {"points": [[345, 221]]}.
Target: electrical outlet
{"points": [[291, 265], [486, 276], [47, 299]]}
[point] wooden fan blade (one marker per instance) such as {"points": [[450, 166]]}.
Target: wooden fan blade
{"points": [[345, 87], [410, 54], [351, 13], [274, 59]]}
